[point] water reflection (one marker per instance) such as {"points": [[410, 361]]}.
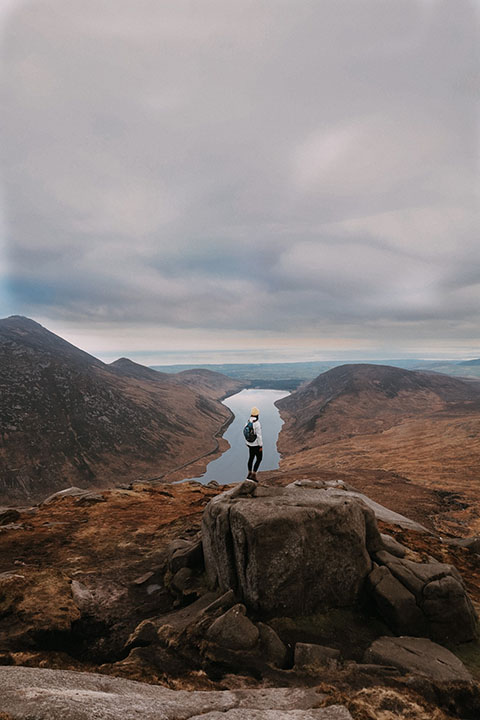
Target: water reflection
{"points": [[232, 465]]}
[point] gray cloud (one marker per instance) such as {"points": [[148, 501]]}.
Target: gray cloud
{"points": [[287, 167]]}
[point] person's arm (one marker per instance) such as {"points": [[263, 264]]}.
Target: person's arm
{"points": [[258, 430]]}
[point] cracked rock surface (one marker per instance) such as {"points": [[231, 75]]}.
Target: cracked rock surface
{"points": [[289, 549], [420, 656], [65, 695]]}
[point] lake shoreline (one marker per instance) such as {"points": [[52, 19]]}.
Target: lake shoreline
{"points": [[232, 462]]}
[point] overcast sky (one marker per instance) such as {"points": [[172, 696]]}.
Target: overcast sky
{"points": [[244, 178]]}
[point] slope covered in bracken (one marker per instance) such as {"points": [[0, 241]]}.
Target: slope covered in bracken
{"points": [[67, 418], [415, 428]]}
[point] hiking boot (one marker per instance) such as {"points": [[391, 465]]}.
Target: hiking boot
{"points": [[253, 476], [250, 476]]}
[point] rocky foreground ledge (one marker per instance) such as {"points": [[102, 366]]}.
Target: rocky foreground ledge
{"points": [[28, 693], [255, 592]]}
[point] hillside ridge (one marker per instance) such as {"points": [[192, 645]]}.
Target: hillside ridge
{"points": [[422, 426], [69, 419]]}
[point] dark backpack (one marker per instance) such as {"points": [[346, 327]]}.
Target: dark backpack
{"points": [[249, 432]]}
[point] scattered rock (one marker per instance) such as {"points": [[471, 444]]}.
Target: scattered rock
{"points": [[289, 550], [305, 482], [82, 497], [393, 546], [8, 515], [447, 612], [471, 543], [185, 584], [89, 498], [185, 553], [68, 492], [395, 604], [450, 613], [234, 630], [419, 656], [144, 634], [271, 646], [82, 596], [181, 580], [243, 489], [225, 601], [310, 657], [372, 669], [11, 526], [143, 578]]}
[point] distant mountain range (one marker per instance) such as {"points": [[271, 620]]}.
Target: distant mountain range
{"points": [[290, 375], [470, 363], [68, 418]]}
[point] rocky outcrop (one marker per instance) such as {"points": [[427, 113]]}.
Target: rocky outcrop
{"points": [[83, 497], [298, 549], [419, 656], [311, 657], [272, 648], [185, 553], [395, 603], [116, 606], [234, 630], [59, 694], [218, 630], [422, 599], [289, 550], [8, 515]]}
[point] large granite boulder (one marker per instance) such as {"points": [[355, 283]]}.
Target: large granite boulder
{"points": [[289, 550]]}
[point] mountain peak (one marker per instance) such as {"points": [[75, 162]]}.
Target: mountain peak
{"points": [[387, 381], [128, 367], [30, 337], [383, 417], [68, 418], [21, 321]]}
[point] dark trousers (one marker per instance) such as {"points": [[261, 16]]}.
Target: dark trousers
{"points": [[255, 453]]}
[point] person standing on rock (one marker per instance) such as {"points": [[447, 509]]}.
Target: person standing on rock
{"points": [[253, 437]]}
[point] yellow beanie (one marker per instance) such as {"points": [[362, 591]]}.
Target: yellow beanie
{"points": [[255, 411]]}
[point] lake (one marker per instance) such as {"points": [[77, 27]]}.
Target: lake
{"points": [[231, 466]]}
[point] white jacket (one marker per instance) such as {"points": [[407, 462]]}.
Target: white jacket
{"points": [[257, 428]]}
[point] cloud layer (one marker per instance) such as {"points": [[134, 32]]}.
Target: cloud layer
{"points": [[272, 167]]}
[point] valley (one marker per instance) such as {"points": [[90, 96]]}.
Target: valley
{"points": [[105, 557]]}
